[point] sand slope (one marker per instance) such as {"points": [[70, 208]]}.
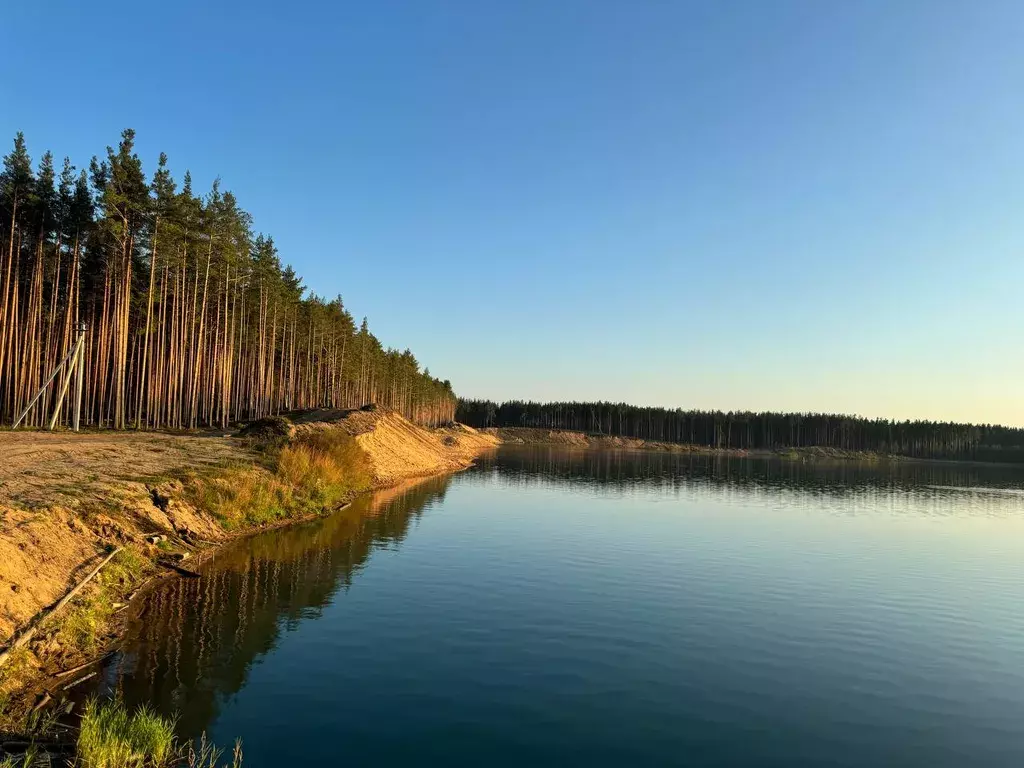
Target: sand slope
{"points": [[399, 449]]}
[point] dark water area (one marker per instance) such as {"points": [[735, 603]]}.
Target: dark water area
{"points": [[555, 607]]}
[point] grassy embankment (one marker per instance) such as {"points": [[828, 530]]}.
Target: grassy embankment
{"points": [[305, 474], [287, 478]]}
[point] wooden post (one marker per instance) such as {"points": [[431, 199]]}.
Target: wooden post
{"points": [[67, 383], [79, 378]]}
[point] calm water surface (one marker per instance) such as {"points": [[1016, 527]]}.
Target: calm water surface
{"points": [[551, 607]]}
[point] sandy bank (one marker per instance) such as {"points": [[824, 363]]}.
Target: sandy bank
{"points": [[398, 449], [66, 499]]}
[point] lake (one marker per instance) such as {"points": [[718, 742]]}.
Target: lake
{"points": [[556, 607]]}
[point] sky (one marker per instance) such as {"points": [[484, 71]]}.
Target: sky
{"points": [[752, 204]]}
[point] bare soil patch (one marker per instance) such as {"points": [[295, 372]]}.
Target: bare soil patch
{"points": [[44, 469]]}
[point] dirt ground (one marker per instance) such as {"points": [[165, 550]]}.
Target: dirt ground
{"points": [[64, 498], [44, 469]]}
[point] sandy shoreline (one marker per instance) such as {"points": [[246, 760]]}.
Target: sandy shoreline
{"points": [[66, 499]]}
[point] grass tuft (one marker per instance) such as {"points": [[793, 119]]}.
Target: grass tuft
{"points": [[205, 755], [243, 496], [111, 737]]}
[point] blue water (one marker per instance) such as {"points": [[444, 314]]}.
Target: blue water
{"points": [[554, 607]]}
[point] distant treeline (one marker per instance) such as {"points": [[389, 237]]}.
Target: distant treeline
{"points": [[192, 318], [748, 430]]}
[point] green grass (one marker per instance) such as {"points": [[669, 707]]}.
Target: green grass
{"points": [[111, 737], [84, 620], [314, 473], [242, 496], [19, 664]]}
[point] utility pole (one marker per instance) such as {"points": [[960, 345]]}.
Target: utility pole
{"points": [[80, 378], [75, 362], [73, 367]]}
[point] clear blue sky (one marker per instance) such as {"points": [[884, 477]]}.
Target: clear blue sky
{"points": [[764, 204]]}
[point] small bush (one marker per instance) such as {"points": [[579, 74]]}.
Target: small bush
{"points": [[273, 430]]}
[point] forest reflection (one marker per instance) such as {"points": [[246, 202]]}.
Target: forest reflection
{"points": [[196, 640], [841, 485]]}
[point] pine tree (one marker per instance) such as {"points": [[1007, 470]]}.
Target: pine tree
{"points": [[16, 184]]}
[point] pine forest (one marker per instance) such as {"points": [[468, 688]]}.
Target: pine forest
{"points": [[746, 430], [191, 318]]}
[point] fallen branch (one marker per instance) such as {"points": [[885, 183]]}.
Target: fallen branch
{"points": [[80, 667], [27, 634], [82, 679], [181, 571]]}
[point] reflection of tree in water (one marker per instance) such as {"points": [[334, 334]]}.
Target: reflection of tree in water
{"points": [[770, 479], [197, 638]]}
